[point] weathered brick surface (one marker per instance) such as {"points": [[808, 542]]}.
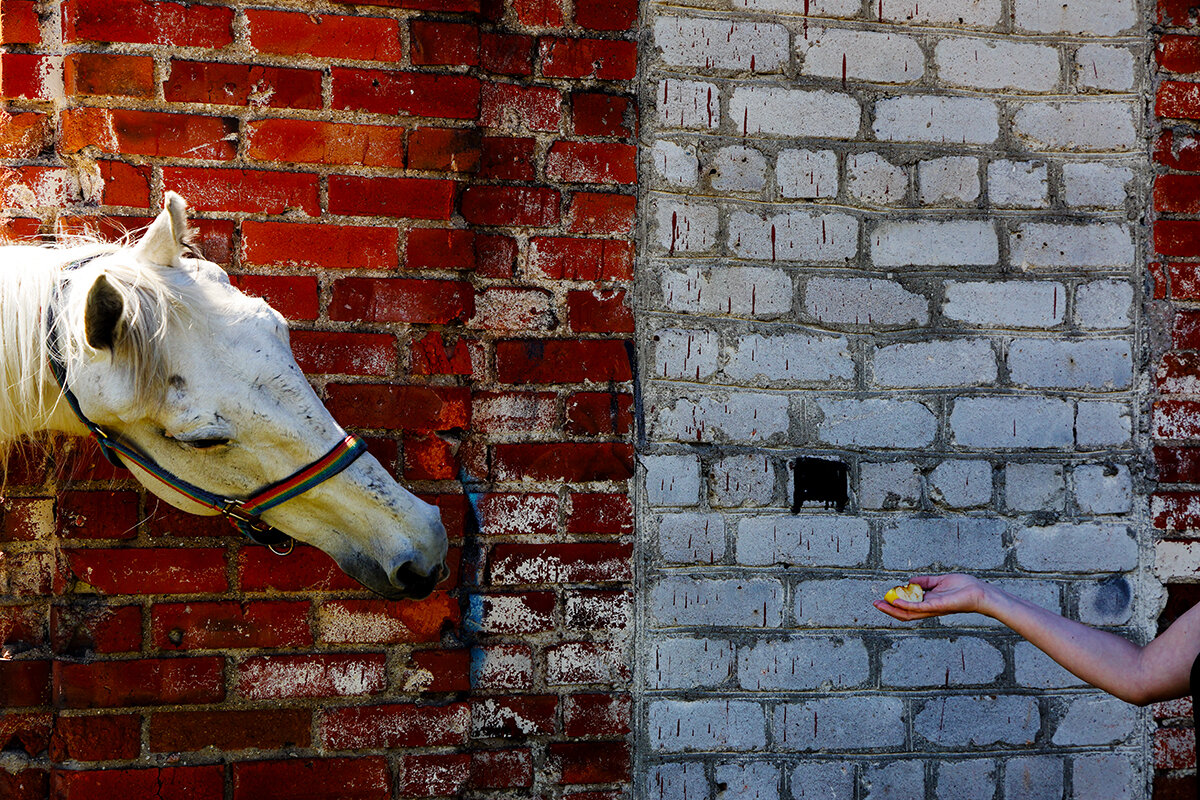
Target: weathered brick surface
{"points": [[905, 237], [440, 197]]}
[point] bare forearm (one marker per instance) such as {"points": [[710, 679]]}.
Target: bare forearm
{"points": [[1103, 659]]}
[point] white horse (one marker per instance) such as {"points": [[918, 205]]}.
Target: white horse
{"points": [[194, 385]]}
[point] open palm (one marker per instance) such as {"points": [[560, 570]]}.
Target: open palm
{"points": [[944, 594]]}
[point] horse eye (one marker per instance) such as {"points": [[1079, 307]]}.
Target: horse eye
{"points": [[206, 444]]}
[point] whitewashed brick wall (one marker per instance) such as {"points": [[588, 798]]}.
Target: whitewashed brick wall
{"points": [[903, 235]]}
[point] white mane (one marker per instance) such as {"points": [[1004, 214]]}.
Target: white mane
{"points": [[28, 279]]}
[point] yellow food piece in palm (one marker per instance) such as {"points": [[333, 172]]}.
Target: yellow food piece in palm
{"points": [[911, 592]]}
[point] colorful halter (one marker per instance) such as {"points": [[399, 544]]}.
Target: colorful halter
{"points": [[244, 514]]}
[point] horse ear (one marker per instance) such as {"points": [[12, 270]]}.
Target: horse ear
{"points": [[102, 314], [163, 240]]}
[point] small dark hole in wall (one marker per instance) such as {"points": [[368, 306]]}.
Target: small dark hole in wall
{"points": [[820, 481]]}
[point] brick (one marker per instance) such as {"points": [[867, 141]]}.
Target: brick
{"points": [[599, 610], [962, 661], [366, 778], [439, 671], [436, 43], [396, 725], [147, 571], [580, 663], [954, 179], [695, 105], [144, 22], [802, 664], [297, 298], [945, 362], [1095, 720], [506, 53], [252, 191], [924, 544], [515, 412], [1107, 19], [1011, 303], [19, 23], [839, 723], [571, 462], [167, 783], [807, 174], [105, 74], [1178, 53], [592, 162], [935, 243], [382, 621], [864, 301], [795, 113], [413, 198], [415, 408], [435, 775], [125, 184], [806, 540], [98, 515], [1037, 244], [27, 76], [324, 36], [1104, 68], [983, 64], [1009, 422], [224, 625], [502, 667], [414, 93], [319, 246], [718, 45], [1093, 364], [879, 57], [1082, 547], [504, 514], [314, 142], [931, 118], [539, 13], [876, 423], [507, 158], [30, 187], [528, 612], [597, 213], [513, 309], [150, 681], [307, 570], [726, 417], [511, 206], [1095, 185], [1071, 125], [699, 725], [97, 629], [584, 762], [979, 721], [562, 258], [542, 361], [510, 107], [874, 180], [409, 300], [596, 114], [24, 135], [265, 729], [599, 414], [518, 564], [317, 675], [597, 715], [1175, 194], [602, 59], [25, 683], [599, 312], [440, 248], [1177, 464], [149, 133], [444, 150], [1185, 330], [22, 625], [243, 84], [983, 14], [686, 601], [432, 355], [520, 716], [1017, 183], [29, 733]]}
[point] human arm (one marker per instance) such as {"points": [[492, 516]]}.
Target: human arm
{"points": [[1159, 671]]}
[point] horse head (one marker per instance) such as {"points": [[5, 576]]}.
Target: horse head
{"points": [[163, 354]]}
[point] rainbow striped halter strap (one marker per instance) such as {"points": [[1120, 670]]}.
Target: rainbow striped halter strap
{"points": [[246, 515]]}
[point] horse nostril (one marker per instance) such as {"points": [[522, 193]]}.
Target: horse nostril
{"points": [[415, 583], [406, 575]]}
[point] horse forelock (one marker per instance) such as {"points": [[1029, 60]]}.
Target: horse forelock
{"points": [[157, 300]]}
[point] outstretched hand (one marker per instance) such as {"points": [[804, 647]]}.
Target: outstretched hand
{"points": [[944, 594]]}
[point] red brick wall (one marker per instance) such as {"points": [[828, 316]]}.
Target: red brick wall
{"points": [[1175, 312], [439, 195]]}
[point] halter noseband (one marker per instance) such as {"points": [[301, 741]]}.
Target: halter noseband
{"points": [[244, 514]]}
